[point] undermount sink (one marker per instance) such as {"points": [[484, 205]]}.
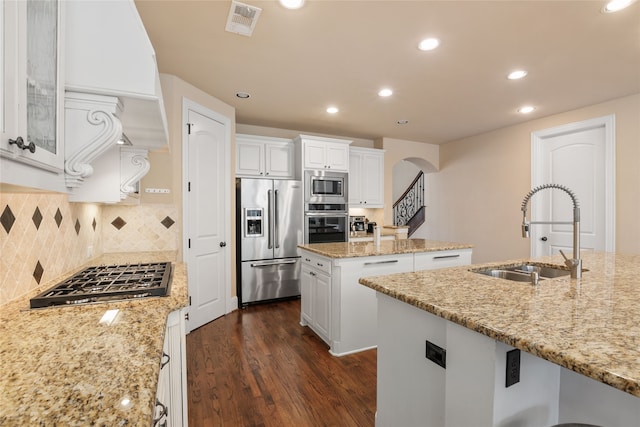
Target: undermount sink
{"points": [[529, 272]]}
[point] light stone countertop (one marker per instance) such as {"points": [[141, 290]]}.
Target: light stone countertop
{"points": [[60, 366], [387, 247], [590, 325]]}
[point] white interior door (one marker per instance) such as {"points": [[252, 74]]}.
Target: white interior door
{"points": [[581, 157], [207, 214]]}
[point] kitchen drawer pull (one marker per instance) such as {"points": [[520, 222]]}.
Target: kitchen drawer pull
{"points": [[447, 256], [162, 363], [311, 273], [391, 261], [163, 411]]}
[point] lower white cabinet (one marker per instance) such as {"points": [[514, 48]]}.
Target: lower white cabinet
{"points": [[316, 288], [343, 312], [171, 396]]}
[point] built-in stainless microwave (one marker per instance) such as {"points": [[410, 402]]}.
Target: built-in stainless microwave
{"points": [[326, 187]]}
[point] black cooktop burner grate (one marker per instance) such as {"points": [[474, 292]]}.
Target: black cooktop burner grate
{"points": [[108, 283]]}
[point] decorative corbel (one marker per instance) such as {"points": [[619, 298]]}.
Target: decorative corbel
{"points": [[135, 165], [78, 166]]}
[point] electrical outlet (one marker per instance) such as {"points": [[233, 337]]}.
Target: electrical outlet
{"points": [[513, 368], [437, 355]]}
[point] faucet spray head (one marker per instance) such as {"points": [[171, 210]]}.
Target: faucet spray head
{"points": [[525, 224]]}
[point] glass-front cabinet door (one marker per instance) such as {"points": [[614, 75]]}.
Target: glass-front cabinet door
{"points": [[32, 93]]}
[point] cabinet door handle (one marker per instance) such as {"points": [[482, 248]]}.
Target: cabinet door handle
{"points": [[163, 363], [391, 261], [447, 256], [20, 143], [311, 273], [163, 411]]}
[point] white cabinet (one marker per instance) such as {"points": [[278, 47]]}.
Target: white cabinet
{"points": [[321, 153], [315, 293], [343, 312], [31, 146], [366, 177], [171, 396], [258, 156]]}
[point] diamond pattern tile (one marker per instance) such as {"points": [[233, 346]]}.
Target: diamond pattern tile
{"points": [[7, 219], [118, 223], [77, 227], [58, 217], [167, 222], [37, 273], [37, 218]]}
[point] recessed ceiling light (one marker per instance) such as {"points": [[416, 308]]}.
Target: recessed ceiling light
{"points": [[526, 109], [518, 74], [429, 44], [292, 4], [332, 110], [616, 5], [243, 95], [385, 92], [403, 122]]}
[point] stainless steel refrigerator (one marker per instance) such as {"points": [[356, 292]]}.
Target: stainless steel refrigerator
{"points": [[269, 229]]}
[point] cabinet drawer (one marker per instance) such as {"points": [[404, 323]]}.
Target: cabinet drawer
{"points": [[442, 259], [378, 265], [316, 262]]}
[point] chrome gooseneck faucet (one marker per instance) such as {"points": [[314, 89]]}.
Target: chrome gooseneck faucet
{"points": [[575, 264]]}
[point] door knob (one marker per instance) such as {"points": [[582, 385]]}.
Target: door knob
{"points": [[223, 244], [543, 238]]}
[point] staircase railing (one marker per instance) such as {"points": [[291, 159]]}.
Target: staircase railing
{"points": [[410, 202]]}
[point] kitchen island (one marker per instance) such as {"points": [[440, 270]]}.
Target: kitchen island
{"points": [[68, 366], [580, 342], [342, 312]]}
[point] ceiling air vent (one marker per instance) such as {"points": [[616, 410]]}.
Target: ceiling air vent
{"points": [[242, 18]]}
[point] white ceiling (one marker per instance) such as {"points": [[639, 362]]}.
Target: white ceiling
{"points": [[298, 62]]}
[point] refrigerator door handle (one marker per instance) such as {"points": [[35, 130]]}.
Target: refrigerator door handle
{"points": [[275, 220], [270, 215], [274, 262]]}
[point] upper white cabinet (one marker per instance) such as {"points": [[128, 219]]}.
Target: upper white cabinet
{"points": [[324, 153], [366, 177], [31, 147], [259, 156]]}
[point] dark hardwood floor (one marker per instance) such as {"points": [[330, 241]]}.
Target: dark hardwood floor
{"points": [[259, 367]]}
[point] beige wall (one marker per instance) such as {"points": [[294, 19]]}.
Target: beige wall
{"points": [[476, 196], [174, 90], [426, 156]]}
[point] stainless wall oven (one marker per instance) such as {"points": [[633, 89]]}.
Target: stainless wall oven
{"points": [[326, 222], [326, 187], [326, 227]]}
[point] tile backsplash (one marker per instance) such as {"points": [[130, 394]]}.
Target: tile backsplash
{"points": [[139, 228], [44, 236]]}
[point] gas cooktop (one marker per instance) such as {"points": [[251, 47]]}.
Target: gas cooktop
{"points": [[108, 283]]}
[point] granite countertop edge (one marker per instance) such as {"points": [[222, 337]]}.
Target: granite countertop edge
{"points": [[575, 356], [61, 365], [386, 247]]}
